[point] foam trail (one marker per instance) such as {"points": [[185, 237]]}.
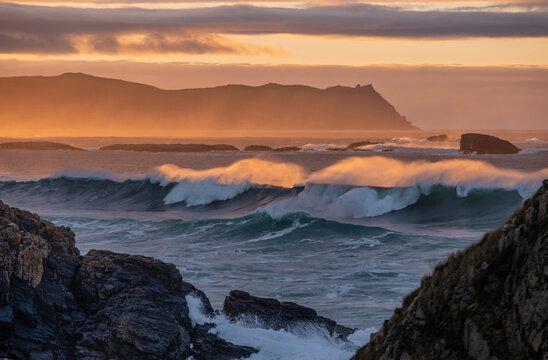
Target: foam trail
{"points": [[311, 343], [405, 142], [200, 187]]}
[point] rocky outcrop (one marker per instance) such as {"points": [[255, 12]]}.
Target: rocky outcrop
{"points": [[485, 144], [170, 147], [356, 145], [258, 148], [56, 304], [437, 138], [271, 314], [268, 148], [287, 148], [36, 145], [489, 301]]}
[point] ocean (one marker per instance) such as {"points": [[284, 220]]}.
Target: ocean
{"points": [[347, 233]]}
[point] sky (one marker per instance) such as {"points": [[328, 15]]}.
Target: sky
{"points": [[443, 64]]}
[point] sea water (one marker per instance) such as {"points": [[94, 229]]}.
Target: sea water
{"points": [[348, 234]]}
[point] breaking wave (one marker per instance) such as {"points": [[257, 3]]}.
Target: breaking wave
{"points": [[353, 188]]}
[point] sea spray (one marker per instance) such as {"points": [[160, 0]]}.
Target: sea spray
{"points": [[306, 342]]}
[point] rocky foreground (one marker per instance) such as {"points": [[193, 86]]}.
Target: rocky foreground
{"points": [[56, 304], [489, 301]]}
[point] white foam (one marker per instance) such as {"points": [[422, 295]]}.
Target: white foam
{"points": [[409, 143], [311, 343], [462, 173], [201, 187], [334, 201], [204, 192]]}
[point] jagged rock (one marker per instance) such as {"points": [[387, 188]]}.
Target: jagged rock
{"points": [[55, 304], [208, 346], [485, 144], [272, 314], [489, 301]]}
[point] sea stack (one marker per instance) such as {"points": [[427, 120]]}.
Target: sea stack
{"points": [[485, 144]]}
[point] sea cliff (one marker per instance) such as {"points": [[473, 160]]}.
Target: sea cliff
{"points": [[489, 301]]}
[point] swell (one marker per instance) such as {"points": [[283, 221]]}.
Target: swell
{"points": [[353, 188], [407, 204]]}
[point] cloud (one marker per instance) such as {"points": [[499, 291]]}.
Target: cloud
{"points": [[41, 29]]}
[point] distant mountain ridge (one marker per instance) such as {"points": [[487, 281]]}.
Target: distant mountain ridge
{"points": [[76, 103]]}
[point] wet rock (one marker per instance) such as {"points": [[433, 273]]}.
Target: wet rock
{"points": [[55, 304], [485, 144], [207, 345], [272, 314]]}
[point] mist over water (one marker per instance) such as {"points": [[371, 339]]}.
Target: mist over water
{"points": [[347, 234]]}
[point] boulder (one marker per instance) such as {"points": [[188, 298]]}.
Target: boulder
{"points": [[271, 314], [485, 144]]}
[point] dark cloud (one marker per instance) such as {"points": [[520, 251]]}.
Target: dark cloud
{"points": [[36, 29]]}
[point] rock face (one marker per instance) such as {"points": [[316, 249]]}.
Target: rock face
{"points": [[170, 147], [485, 144], [272, 314], [36, 145], [56, 304], [489, 301]]}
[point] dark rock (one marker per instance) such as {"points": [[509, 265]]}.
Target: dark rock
{"points": [[258, 148], [437, 138], [287, 148], [208, 346], [358, 144], [335, 149], [272, 314], [387, 150], [170, 147], [36, 145], [485, 144], [55, 304], [489, 301]]}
